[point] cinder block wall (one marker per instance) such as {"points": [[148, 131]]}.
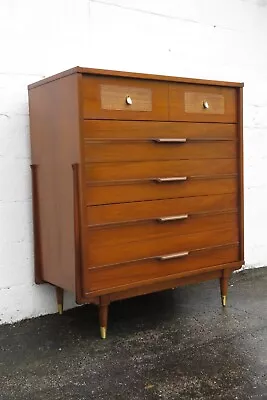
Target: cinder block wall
{"points": [[219, 39]]}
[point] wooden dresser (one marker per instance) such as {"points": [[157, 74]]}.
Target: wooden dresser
{"points": [[137, 183]]}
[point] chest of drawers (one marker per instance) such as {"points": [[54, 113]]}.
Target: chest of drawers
{"points": [[137, 183]]}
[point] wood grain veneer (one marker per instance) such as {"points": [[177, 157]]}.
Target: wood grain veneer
{"points": [[137, 183]]}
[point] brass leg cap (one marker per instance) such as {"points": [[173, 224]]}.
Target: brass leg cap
{"points": [[103, 332], [60, 309], [224, 301]]}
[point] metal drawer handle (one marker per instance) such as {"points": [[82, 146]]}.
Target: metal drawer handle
{"points": [[173, 218], [171, 179], [128, 100], [174, 255], [163, 140]]}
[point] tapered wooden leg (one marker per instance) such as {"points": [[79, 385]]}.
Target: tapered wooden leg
{"points": [[103, 319], [60, 295], [224, 287]]}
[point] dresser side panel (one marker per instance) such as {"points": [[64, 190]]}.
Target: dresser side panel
{"points": [[54, 131]]}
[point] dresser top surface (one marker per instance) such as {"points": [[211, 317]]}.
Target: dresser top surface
{"points": [[133, 75]]}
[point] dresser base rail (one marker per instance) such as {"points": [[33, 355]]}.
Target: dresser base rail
{"points": [[104, 301]]}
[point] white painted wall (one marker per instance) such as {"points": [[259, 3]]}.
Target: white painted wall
{"points": [[213, 39]]}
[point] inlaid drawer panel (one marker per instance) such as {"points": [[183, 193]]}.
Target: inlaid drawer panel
{"points": [[163, 227], [99, 255], [122, 98], [140, 271], [147, 210], [158, 189], [103, 129], [127, 150], [148, 169], [201, 103]]}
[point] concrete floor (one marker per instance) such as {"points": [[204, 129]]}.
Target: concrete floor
{"points": [[172, 345]]}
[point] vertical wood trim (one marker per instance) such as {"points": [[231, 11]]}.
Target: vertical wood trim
{"points": [[81, 190], [38, 265], [77, 234], [241, 170]]}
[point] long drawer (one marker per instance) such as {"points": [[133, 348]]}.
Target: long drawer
{"points": [[151, 210], [99, 254], [162, 227], [148, 169], [157, 149], [105, 129], [153, 269], [158, 188]]}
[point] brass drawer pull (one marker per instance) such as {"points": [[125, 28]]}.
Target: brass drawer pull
{"points": [[173, 218], [171, 179], [128, 100], [206, 105], [174, 255], [163, 140]]}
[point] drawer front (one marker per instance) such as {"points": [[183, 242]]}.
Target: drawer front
{"points": [[162, 227], [122, 98], [202, 103], [110, 171], [101, 129], [141, 271], [97, 151], [151, 210], [155, 189], [100, 255]]}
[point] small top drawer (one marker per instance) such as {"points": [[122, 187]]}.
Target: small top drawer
{"points": [[122, 98], [202, 103]]}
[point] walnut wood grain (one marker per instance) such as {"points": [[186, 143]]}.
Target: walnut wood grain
{"points": [[106, 129], [145, 270], [162, 283], [180, 224], [100, 255], [117, 213], [171, 281], [155, 197], [149, 190], [145, 151], [54, 130], [148, 169]]}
